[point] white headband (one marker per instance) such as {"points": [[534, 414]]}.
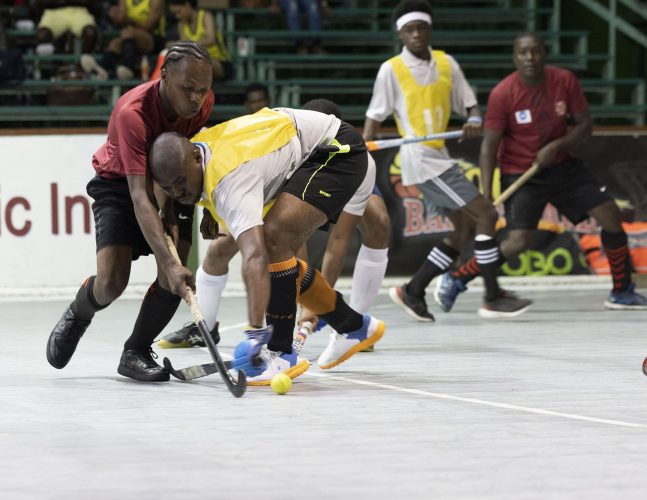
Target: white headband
{"points": [[412, 16]]}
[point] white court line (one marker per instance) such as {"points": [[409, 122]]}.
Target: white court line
{"points": [[527, 409], [232, 327]]}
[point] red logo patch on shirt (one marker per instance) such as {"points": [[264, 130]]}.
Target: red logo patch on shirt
{"points": [[560, 108]]}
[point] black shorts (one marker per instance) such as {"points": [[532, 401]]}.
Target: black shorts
{"points": [[114, 216], [329, 184], [570, 187]]}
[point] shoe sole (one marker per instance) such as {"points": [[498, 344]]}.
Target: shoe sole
{"points": [[622, 307], [299, 369], [488, 314], [364, 344], [162, 377], [165, 344], [395, 298]]}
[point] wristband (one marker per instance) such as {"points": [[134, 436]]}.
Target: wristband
{"points": [[475, 119]]}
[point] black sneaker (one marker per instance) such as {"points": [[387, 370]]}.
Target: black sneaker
{"points": [[141, 366], [416, 307], [64, 338], [187, 336], [506, 305]]}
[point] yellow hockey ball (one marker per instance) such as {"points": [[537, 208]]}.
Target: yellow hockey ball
{"points": [[281, 383]]}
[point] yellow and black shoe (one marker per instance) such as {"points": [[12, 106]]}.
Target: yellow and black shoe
{"points": [[187, 336]]}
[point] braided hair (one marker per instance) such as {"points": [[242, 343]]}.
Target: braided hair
{"points": [[181, 50]]}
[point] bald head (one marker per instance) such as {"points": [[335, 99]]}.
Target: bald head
{"points": [[167, 155], [176, 165]]}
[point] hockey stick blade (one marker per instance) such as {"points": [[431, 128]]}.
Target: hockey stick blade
{"points": [[236, 387], [193, 372]]}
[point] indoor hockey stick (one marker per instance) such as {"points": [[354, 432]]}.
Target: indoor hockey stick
{"points": [[198, 371], [512, 188], [396, 143], [236, 387]]}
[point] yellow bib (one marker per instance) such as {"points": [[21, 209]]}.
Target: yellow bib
{"points": [[139, 12], [428, 106], [218, 51], [238, 141]]}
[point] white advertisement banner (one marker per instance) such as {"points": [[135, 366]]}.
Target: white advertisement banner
{"points": [[46, 225]]}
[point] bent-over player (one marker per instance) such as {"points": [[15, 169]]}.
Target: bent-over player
{"points": [[312, 164]]}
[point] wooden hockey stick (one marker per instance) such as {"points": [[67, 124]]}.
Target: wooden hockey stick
{"points": [[236, 387], [512, 188], [396, 143]]}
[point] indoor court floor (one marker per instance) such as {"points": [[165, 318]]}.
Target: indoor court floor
{"points": [[550, 405]]}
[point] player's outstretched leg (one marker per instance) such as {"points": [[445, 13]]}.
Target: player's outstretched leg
{"points": [[70, 328], [623, 296], [414, 306], [343, 345]]}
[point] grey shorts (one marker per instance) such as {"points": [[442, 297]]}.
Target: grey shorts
{"points": [[448, 192]]}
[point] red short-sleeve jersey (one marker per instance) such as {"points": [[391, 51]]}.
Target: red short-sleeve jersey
{"points": [[531, 117], [136, 120]]}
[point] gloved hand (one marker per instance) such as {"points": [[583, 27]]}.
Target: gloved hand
{"points": [[248, 355]]}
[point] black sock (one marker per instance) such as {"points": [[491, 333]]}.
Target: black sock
{"points": [[85, 305], [436, 263], [615, 246], [157, 309], [343, 318], [487, 257], [282, 308]]}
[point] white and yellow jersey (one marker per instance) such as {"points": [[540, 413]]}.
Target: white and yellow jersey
{"points": [[421, 95], [247, 160]]}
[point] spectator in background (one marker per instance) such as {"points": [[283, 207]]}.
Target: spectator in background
{"points": [[143, 27], [197, 25], [256, 97], [60, 18], [292, 10]]}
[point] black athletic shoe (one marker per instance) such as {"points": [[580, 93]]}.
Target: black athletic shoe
{"points": [[187, 336], [416, 307], [64, 338], [141, 366], [506, 305]]}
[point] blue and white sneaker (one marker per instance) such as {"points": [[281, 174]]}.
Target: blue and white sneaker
{"points": [[446, 291], [626, 300], [343, 345], [277, 362]]}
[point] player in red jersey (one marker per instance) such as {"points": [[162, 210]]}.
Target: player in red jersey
{"points": [[537, 115], [127, 212]]}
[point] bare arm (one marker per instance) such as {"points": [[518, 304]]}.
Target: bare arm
{"points": [[487, 159], [472, 129], [581, 130], [151, 225], [209, 37], [255, 274], [371, 127]]}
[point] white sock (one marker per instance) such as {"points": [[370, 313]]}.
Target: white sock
{"points": [[368, 274], [209, 291]]}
